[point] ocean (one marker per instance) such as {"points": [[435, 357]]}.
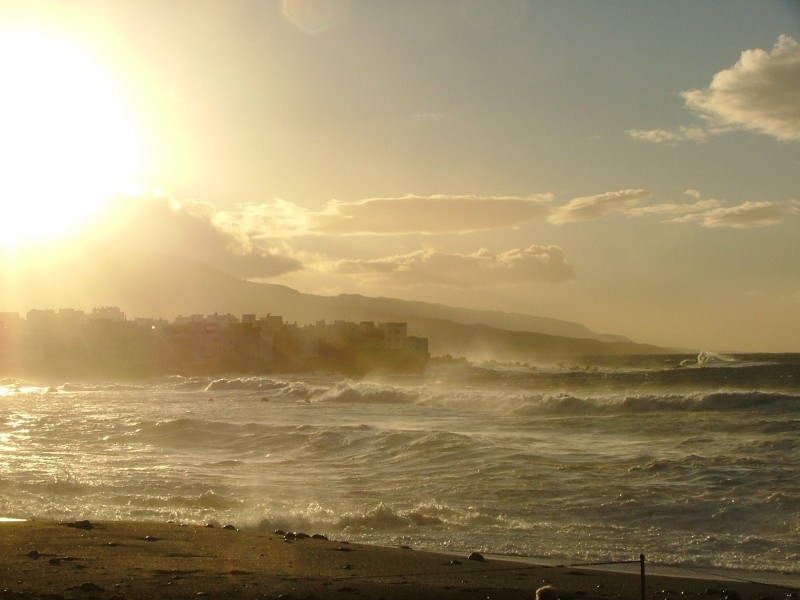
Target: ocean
{"points": [[692, 461]]}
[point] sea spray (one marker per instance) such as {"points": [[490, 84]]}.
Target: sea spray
{"points": [[697, 465]]}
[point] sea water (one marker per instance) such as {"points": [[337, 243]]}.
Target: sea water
{"points": [[692, 462]]}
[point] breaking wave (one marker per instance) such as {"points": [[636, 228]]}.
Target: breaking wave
{"points": [[695, 466]]}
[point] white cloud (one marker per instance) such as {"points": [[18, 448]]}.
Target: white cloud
{"points": [[534, 264], [745, 216], [663, 136], [429, 214], [675, 209], [591, 208], [706, 212], [760, 93]]}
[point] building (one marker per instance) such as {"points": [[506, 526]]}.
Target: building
{"points": [[105, 342]]}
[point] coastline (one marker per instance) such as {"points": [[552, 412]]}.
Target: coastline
{"points": [[136, 560]]}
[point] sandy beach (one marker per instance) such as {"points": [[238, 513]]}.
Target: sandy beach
{"points": [[133, 560]]}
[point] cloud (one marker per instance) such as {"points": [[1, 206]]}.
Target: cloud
{"points": [[429, 214], [712, 213], [675, 209], [195, 230], [661, 136], [431, 117], [706, 212], [591, 208], [409, 214], [760, 93], [534, 264], [745, 216], [274, 219]]}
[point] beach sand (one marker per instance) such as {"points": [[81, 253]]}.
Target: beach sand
{"points": [[125, 560]]}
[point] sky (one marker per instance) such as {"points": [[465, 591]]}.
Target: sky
{"points": [[633, 166]]}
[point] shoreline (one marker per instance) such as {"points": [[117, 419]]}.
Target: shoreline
{"points": [[132, 560]]}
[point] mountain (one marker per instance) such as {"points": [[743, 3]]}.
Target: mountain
{"points": [[156, 286], [498, 319]]}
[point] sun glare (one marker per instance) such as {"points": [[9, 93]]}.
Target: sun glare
{"points": [[68, 142]]}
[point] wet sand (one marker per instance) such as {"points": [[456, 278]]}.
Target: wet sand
{"points": [[142, 560]]}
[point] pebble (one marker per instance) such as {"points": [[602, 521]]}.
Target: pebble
{"points": [[476, 556]]}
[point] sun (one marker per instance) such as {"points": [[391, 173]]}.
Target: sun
{"points": [[68, 140]]}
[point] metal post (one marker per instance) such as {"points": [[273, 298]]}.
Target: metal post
{"points": [[641, 566]]}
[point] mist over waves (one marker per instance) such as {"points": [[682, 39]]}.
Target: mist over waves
{"points": [[696, 464]]}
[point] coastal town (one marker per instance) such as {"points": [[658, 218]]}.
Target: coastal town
{"points": [[104, 342]]}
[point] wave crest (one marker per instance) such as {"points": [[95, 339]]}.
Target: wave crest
{"points": [[366, 393]]}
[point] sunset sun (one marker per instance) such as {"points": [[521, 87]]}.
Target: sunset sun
{"points": [[68, 142]]}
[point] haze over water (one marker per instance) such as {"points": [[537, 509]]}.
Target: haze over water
{"points": [[695, 465]]}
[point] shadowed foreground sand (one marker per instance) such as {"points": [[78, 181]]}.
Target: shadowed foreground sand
{"points": [[121, 560]]}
